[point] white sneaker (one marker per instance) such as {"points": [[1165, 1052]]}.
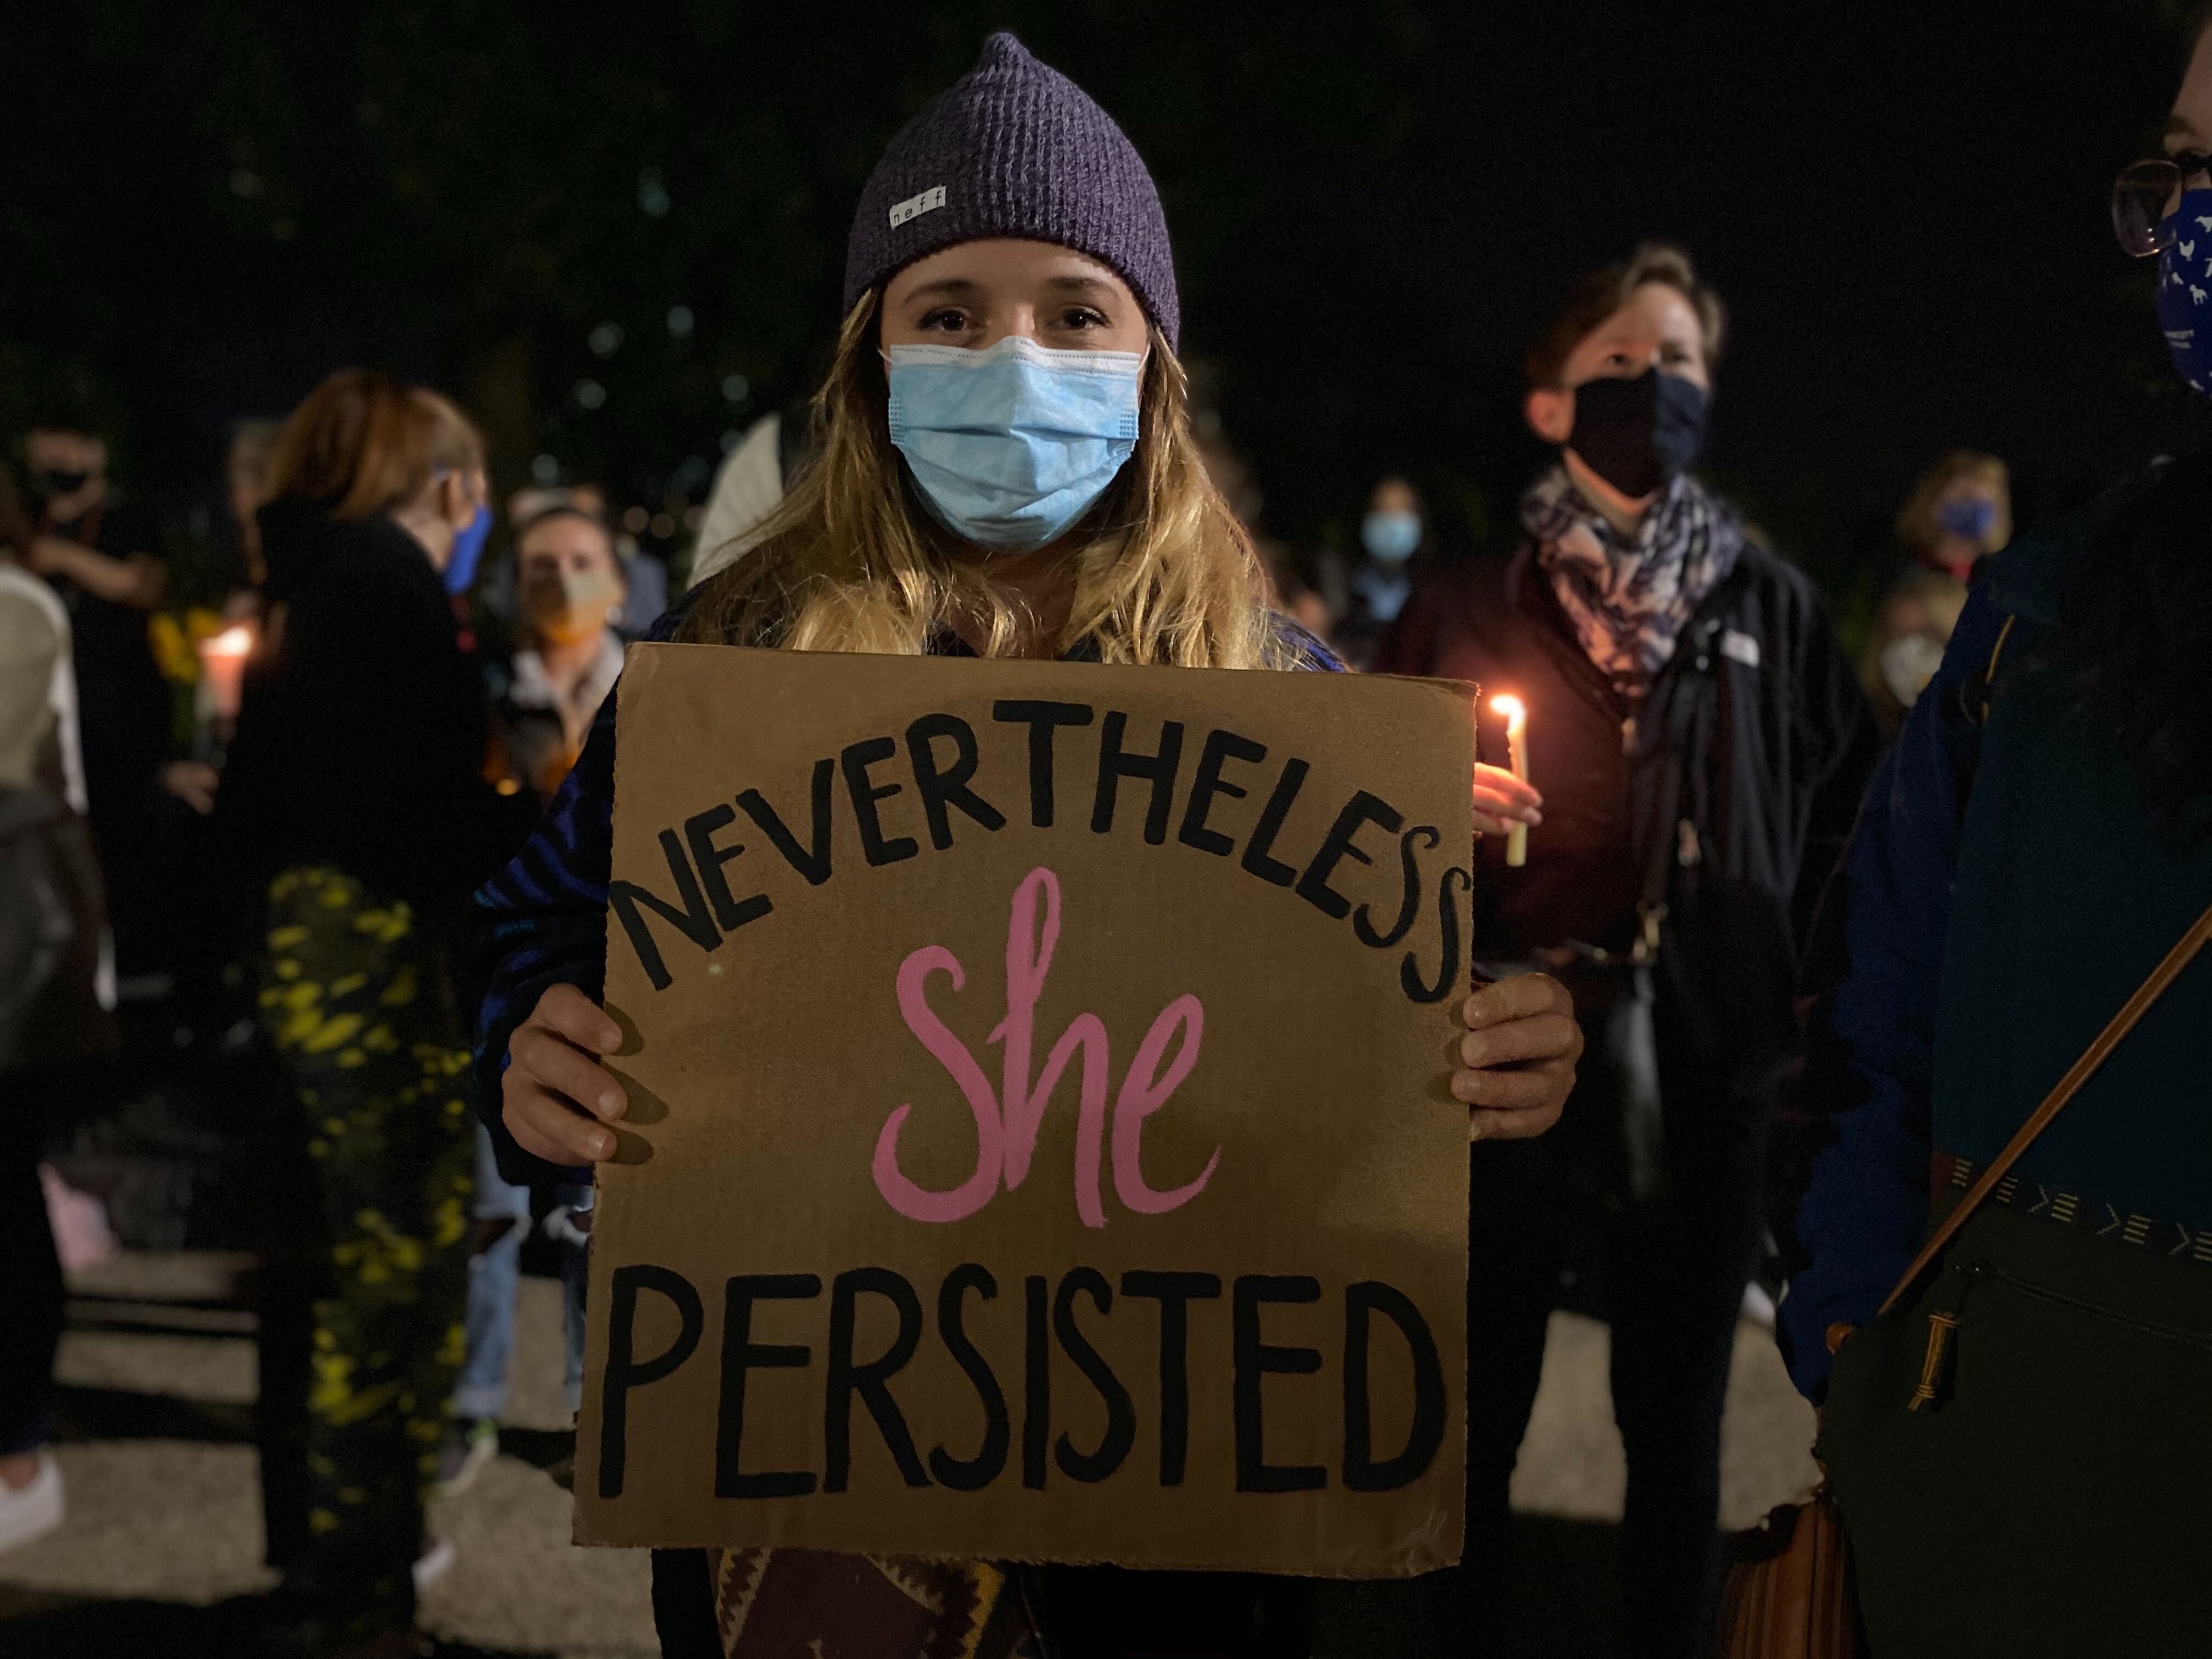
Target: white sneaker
{"points": [[32, 1511]]}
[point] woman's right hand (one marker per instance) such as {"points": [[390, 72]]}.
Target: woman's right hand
{"points": [[556, 1095]]}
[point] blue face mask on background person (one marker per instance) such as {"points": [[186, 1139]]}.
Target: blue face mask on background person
{"points": [[1971, 517], [2185, 289], [467, 547], [1012, 444], [1390, 536]]}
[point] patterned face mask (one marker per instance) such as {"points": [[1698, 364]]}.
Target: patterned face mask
{"points": [[2185, 289]]}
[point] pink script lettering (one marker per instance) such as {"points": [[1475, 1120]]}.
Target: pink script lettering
{"points": [[1006, 1125]]}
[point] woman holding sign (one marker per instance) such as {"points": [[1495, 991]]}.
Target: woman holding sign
{"points": [[1007, 468]]}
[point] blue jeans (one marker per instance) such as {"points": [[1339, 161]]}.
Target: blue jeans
{"points": [[495, 1285]]}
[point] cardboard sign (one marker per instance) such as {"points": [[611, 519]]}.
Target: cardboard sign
{"points": [[1040, 1145]]}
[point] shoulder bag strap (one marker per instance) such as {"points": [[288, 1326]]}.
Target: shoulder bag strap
{"points": [[2080, 1072]]}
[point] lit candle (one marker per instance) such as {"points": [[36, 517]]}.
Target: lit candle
{"points": [[222, 670], [1516, 756]]}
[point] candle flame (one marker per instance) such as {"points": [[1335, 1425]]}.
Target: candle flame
{"points": [[231, 642], [1510, 707]]}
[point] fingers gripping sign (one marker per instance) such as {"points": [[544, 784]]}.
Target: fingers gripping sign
{"points": [[556, 1094], [1516, 1062]]}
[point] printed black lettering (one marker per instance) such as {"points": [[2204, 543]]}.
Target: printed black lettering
{"points": [[1041, 718], [1410, 906], [1115, 763], [699, 831], [690, 915], [1121, 1431], [741, 1354], [1175, 1293], [1220, 748], [1253, 1361], [1256, 858], [1361, 1472], [857, 758], [940, 791], [624, 1372], [971, 1473], [1253, 1364], [1448, 974], [813, 860], [1036, 1381], [1341, 843], [871, 1381]]}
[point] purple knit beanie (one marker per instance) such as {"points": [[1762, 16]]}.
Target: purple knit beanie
{"points": [[1013, 148]]}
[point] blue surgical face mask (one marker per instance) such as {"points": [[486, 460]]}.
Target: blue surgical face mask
{"points": [[1971, 517], [1391, 537], [467, 547], [2185, 287], [1012, 444]]}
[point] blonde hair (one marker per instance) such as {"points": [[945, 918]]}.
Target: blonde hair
{"points": [[362, 444], [1916, 520], [850, 562]]}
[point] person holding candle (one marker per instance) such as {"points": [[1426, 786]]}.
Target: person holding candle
{"points": [[2039, 840], [1008, 253], [1698, 744]]}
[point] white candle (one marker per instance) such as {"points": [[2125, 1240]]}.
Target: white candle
{"points": [[223, 669], [1516, 756]]}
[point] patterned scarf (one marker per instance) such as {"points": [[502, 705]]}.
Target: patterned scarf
{"points": [[1629, 601]]}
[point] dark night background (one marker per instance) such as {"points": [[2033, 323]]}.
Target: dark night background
{"points": [[207, 204]]}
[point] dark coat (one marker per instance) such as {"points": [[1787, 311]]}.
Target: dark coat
{"points": [[1729, 799], [362, 745]]}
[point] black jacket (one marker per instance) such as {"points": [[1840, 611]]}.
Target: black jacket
{"points": [[361, 744], [1729, 800]]}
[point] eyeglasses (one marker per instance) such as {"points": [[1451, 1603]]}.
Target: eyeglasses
{"points": [[2146, 192]]}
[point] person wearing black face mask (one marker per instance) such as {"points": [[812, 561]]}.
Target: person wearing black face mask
{"points": [[1698, 743]]}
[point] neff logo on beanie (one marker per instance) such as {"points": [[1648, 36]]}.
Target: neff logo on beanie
{"points": [[914, 206]]}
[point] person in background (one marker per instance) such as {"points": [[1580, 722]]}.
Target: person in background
{"points": [[569, 591], [1960, 511], [354, 805], [1048, 281], [1378, 583], [55, 990], [1701, 743], [102, 556], [2040, 838], [569, 597]]}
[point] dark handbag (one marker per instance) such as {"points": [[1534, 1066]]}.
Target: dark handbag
{"points": [[1792, 1593]]}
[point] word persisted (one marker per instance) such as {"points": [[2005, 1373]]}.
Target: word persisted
{"points": [[1052, 1317], [941, 754]]}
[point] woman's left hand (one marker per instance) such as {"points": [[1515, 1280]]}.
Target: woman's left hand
{"points": [[1518, 1059]]}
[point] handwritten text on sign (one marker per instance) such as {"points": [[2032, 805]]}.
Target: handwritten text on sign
{"points": [[1219, 918]]}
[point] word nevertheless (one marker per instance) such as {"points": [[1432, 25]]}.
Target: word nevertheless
{"points": [[941, 754], [1049, 1319]]}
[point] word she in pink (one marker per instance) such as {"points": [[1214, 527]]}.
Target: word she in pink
{"points": [[1006, 1125]]}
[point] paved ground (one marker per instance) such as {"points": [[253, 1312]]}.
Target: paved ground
{"points": [[161, 1552]]}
